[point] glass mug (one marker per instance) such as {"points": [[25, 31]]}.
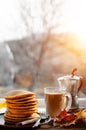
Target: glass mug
{"points": [[56, 99]]}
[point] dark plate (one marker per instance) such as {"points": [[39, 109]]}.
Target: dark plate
{"points": [[7, 126], [30, 125]]}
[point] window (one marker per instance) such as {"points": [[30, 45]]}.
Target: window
{"points": [[46, 40]]}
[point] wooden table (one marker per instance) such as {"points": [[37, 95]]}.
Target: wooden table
{"points": [[46, 129], [54, 128]]}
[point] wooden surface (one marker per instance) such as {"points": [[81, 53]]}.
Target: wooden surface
{"points": [[55, 128], [65, 129]]}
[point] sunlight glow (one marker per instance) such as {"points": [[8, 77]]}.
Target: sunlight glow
{"points": [[10, 27], [75, 16]]}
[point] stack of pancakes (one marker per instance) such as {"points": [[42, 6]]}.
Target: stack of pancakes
{"points": [[21, 105]]}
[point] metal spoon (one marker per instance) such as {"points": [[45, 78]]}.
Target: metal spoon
{"points": [[41, 120]]}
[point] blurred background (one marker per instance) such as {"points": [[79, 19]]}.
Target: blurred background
{"points": [[41, 41]]}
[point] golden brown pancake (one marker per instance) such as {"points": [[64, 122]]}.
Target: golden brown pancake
{"points": [[22, 112], [23, 101], [19, 99], [33, 115], [21, 107], [15, 115], [15, 119], [15, 94]]}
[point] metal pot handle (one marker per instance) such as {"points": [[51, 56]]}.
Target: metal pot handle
{"points": [[81, 83]]}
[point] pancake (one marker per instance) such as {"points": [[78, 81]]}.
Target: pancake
{"points": [[33, 115], [27, 97], [22, 112], [22, 104], [16, 115], [22, 101], [15, 94], [15, 119], [21, 107]]}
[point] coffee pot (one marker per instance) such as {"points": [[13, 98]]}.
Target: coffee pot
{"points": [[72, 84]]}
